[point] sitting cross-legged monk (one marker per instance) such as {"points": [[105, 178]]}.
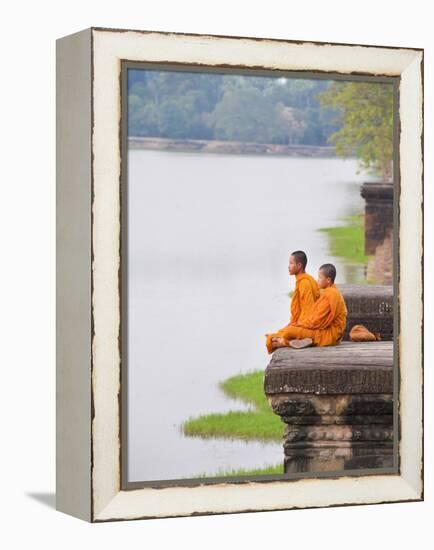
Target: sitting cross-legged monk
{"points": [[325, 323], [306, 290]]}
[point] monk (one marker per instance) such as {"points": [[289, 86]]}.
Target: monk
{"points": [[324, 325], [305, 294]]}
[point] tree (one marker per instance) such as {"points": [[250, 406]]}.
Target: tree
{"points": [[293, 124], [365, 110], [244, 115]]}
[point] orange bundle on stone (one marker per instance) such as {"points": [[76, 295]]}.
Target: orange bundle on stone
{"points": [[359, 333]]}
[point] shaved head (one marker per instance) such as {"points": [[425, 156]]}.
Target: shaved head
{"points": [[300, 258], [329, 271]]}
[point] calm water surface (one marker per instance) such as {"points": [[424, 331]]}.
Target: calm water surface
{"points": [[209, 238]]}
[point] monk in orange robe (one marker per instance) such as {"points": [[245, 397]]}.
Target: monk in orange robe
{"points": [[305, 294], [324, 325]]}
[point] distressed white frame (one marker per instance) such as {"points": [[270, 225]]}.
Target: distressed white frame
{"points": [[108, 48]]}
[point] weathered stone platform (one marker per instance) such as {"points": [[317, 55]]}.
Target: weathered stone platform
{"points": [[337, 404], [369, 305]]}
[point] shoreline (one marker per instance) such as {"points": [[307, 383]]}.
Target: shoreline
{"points": [[257, 424], [230, 147]]}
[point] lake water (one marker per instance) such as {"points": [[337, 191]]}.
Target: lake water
{"points": [[209, 240]]}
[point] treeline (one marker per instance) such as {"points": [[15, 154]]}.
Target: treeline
{"points": [[211, 106]]}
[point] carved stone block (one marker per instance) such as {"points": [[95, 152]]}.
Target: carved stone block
{"points": [[370, 305], [337, 405]]}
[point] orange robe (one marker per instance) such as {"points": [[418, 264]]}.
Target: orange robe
{"points": [[325, 323], [305, 295]]}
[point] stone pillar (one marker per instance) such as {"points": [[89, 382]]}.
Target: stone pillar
{"points": [[378, 213], [336, 404], [379, 231], [380, 266]]}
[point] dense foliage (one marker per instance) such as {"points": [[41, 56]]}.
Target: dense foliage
{"points": [[366, 115], [261, 109]]}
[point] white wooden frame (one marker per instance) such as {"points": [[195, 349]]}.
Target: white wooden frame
{"points": [[88, 261]]}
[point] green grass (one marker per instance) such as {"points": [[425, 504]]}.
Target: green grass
{"points": [[267, 470], [249, 388], [260, 423], [348, 241]]}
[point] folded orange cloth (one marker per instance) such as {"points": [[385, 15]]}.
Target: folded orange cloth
{"points": [[359, 333]]}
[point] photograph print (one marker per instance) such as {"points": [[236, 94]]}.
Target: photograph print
{"points": [[258, 269]]}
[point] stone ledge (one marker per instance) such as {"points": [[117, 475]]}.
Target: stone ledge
{"points": [[369, 291], [377, 191], [369, 305], [348, 368]]}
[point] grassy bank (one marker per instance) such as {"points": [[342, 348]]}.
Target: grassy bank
{"points": [[348, 241], [267, 470], [259, 423]]}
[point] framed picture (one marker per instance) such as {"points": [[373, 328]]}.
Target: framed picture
{"points": [[239, 274]]}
